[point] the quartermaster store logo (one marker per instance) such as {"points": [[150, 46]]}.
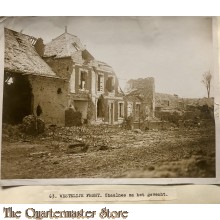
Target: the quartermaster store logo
{"points": [[31, 213]]}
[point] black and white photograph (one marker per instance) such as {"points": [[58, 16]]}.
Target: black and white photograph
{"points": [[108, 98]]}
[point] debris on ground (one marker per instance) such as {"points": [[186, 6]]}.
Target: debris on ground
{"points": [[109, 151]]}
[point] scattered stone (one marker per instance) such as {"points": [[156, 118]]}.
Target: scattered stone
{"points": [[202, 164], [137, 131], [77, 147], [212, 154], [150, 168], [103, 147], [39, 154], [55, 143], [74, 145], [127, 152], [199, 152], [5, 136]]}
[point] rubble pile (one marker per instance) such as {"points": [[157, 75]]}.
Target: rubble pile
{"points": [[190, 167], [11, 132], [73, 117], [84, 138], [32, 125], [109, 151]]}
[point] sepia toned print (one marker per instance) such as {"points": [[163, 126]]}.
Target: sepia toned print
{"points": [[68, 113]]}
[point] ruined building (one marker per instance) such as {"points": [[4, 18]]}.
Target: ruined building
{"points": [[140, 98], [49, 80], [92, 85], [30, 85], [168, 102], [170, 106]]}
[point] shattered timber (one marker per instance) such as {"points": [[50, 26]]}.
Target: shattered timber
{"points": [[65, 116]]}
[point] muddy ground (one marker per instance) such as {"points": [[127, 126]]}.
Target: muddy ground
{"points": [[103, 152]]}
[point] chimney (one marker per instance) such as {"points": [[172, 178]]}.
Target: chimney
{"points": [[65, 29]]}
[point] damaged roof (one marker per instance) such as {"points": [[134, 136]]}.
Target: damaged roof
{"points": [[104, 66], [68, 45], [138, 93], [21, 56]]}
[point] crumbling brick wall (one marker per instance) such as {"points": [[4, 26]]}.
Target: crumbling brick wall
{"points": [[167, 101], [145, 88], [51, 94]]}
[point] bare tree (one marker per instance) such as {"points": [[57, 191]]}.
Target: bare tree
{"points": [[206, 80]]}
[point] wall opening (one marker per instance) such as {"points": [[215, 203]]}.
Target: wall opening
{"points": [[110, 84], [100, 83], [137, 111], [129, 109], [81, 106], [99, 111], [17, 98], [59, 91], [39, 110], [121, 110], [111, 113], [83, 76]]}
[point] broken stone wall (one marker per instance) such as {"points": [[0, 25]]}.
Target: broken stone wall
{"points": [[146, 90], [51, 94], [131, 101], [199, 101], [167, 101], [189, 107]]}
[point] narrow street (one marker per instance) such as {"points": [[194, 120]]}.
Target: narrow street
{"points": [[110, 152]]}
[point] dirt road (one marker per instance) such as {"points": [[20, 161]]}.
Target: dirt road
{"points": [[109, 152]]}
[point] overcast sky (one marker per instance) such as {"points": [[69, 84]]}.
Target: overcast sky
{"points": [[176, 51]]}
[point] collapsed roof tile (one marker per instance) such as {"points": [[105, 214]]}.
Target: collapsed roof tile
{"points": [[21, 56]]}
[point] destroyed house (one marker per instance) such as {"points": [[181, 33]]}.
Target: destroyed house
{"points": [[30, 85], [49, 80], [140, 98], [92, 85]]}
